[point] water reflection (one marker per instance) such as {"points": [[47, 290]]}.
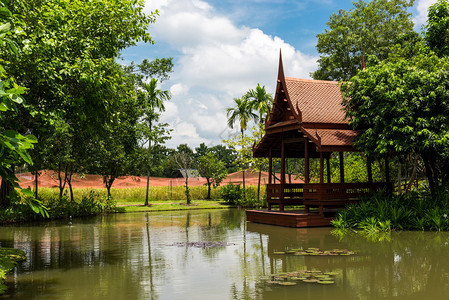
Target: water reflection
{"points": [[132, 256], [406, 265]]}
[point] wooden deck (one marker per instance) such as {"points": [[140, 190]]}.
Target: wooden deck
{"points": [[288, 218]]}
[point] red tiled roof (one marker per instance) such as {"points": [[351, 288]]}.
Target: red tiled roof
{"points": [[332, 137], [319, 101]]}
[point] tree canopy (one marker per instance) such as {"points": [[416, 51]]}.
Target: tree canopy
{"points": [[369, 28]]}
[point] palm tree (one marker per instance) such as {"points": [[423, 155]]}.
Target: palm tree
{"points": [[242, 111], [261, 101], [153, 99]]}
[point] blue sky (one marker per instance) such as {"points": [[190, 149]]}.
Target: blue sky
{"points": [[223, 48]]}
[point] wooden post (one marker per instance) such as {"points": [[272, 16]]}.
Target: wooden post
{"points": [[328, 167], [270, 171], [321, 167], [270, 166], [281, 204], [342, 168], [306, 162]]}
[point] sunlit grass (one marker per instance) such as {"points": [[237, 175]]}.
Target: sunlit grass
{"points": [[160, 197]]}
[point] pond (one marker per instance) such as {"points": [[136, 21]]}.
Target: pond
{"points": [[171, 255]]}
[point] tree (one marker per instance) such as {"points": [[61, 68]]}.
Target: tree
{"points": [[67, 62], [437, 28], [153, 100], [241, 112], [402, 108], [213, 169], [184, 160], [367, 29], [14, 147], [262, 102]]}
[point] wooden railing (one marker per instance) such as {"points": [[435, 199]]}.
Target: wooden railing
{"points": [[318, 194], [291, 194], [342, 191]]}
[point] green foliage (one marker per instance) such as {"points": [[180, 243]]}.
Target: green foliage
{"points": [[14, 147], [241, 112], [370, 28], [9, 259], [213, 169], [231, 193], [381, 212], [402, 106], [437, 28], [260, 101]]}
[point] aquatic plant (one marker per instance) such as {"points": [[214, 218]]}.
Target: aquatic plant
{"points": [[315, 251], [303, 276], [381, 212]]}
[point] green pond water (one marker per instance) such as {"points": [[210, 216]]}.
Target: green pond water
{"points": [[170, 255]]}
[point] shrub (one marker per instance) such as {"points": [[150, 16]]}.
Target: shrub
{"points": [[231, 193]]}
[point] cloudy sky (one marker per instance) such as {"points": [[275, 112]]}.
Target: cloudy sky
{"points": [[222, 48]]}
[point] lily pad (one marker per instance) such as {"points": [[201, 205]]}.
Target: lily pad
{"points": [[310, 280], [326, 282], [287, 283]]}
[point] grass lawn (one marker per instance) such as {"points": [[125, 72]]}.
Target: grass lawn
{"points": [[166, 205]]}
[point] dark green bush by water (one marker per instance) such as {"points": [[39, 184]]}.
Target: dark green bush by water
{"points": [[233, 194], [91, 203], [382, 212]]}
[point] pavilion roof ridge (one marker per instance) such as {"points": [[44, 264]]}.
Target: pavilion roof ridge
{"points": [[312, 80]]}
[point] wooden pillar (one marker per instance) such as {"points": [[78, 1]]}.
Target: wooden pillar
{"points": [[328, 167], [281, 205], [306, 162], [342, 168], [369, 169], [270, 166], [270, 175], [321, 167]]}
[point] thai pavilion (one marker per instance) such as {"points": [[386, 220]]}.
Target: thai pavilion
{"points": [[307, 121]]}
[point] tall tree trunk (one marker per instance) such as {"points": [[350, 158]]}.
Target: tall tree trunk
{"points": [[36, 182], [258, 184], [413, 177], [187, 188], [244, 192], [429, 173], [148, 173], [69, 181], [108, 180], [208, 188], [61, 186]]}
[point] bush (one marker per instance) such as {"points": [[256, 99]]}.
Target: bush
{"points": [[412, 211], [231, 193], [92, 203]]}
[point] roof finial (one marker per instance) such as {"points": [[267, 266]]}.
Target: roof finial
{"points": [[363, 62], [281, 67]]}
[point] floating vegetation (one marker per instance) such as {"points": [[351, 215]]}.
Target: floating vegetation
{"points": [[315, 252], [293, 278], [203, 244]]}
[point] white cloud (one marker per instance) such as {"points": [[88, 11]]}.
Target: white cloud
{"points": [[178, 89], [422, 6], [216, 62]]}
